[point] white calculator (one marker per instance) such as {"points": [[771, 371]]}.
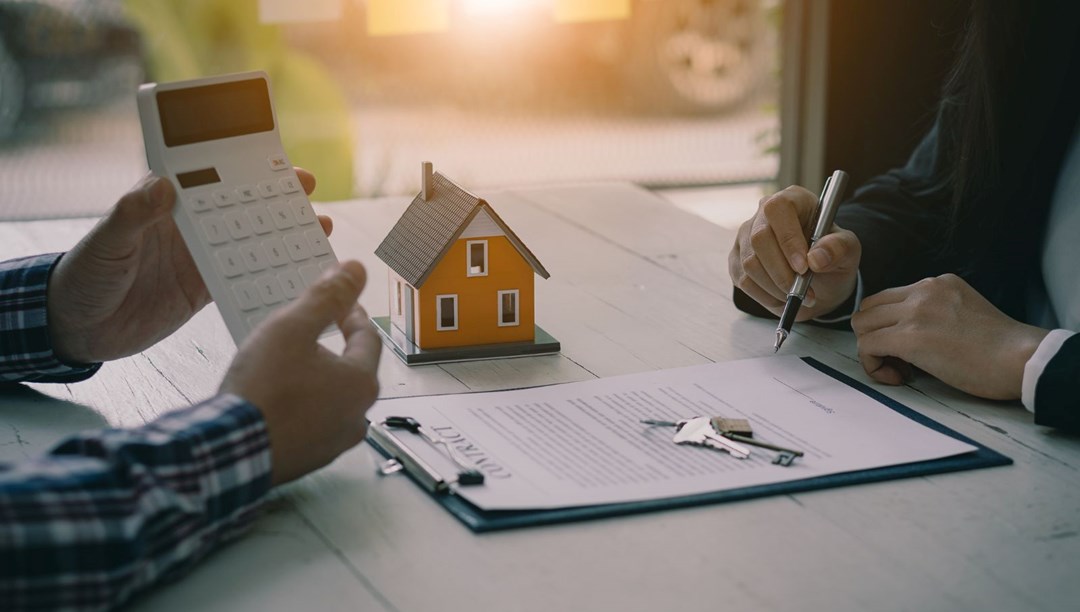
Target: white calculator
{"points": [[240, 206]]}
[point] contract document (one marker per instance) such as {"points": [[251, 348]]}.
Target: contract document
{"points": [[582, 443]]}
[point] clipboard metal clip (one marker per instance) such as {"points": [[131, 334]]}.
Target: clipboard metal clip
{"points": [[390, 466], [404, 459]]}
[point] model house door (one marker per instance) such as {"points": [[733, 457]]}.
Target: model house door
{"points": [[408, 298]]}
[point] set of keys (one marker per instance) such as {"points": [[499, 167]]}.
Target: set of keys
{"points": [[729, 435]]}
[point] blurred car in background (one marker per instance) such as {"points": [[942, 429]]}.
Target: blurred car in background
{"points": [[62, 53], [700, 56], [668, 56]]}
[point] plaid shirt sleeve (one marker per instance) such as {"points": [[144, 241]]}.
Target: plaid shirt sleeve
{"points": [[107, 513], [26, 353]]}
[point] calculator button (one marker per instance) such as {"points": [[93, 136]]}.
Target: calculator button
{"points": [[214, 228], [254, 257], [268, 189], [304, 214], [297, 247], [260, 220], [310, 273], [278, 162], [230, 263], [224, 198], [317, 241], [238, 224], [275, 251], [247, 295], [282, 215], [200, 203], [269, 290], [289, 184], [290, 284], [247, 193]]}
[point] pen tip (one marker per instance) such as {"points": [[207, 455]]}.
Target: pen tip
{"points": [[780, 337]]}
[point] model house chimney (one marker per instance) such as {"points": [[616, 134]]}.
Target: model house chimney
{"points": [[428, 188]]}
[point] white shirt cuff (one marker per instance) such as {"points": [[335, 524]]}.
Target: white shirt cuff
{"points": [[1034, 367], [858, 302]]}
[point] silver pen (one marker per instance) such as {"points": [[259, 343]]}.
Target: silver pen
{"points": [[825, 213]]}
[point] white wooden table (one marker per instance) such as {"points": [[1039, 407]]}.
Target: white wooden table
{"points": [[636, 285]]}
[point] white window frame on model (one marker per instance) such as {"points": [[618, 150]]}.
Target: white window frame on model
{"points": [[517, 307], [439, 312], [469, 267]]}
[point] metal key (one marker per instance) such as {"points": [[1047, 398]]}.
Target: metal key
{"points": [[699, 431], [661, 422], [754, 442]]}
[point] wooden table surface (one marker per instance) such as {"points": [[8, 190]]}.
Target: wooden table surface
{"points": [[636, 285]]}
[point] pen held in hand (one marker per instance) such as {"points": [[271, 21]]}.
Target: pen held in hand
{"points": [[826, 213]]}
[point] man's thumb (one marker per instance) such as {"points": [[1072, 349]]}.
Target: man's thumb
{"points": [[330, 299], [139, 208]]}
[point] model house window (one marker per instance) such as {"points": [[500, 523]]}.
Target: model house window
{"points": [[508, 308], [478, 257], [399, 298], [446, 315]]}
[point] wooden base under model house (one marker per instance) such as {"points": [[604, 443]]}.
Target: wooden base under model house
{"points": [[461, 282]]}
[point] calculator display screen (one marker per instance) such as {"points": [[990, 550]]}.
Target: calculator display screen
{"points": [[212, 112]]}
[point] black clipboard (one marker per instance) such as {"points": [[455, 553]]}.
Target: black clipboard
{"points": [[480, 520]]}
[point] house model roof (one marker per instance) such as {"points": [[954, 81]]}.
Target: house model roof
{"points": [[431, 225]]}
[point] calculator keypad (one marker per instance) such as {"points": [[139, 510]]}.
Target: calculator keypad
{"points": [[263, 237]]}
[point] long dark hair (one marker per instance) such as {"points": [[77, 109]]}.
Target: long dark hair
{"points": [[1007, 111], [1007, 121], [975, 101]]}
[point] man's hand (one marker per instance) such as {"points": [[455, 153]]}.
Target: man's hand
{"points": [[771, 249], [313, 400], [946, 328], [131, 281]]}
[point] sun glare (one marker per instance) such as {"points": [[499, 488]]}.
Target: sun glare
{"points": [[591, 10], [388, 17], [492, 7]]}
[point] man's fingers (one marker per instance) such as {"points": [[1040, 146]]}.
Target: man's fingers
{"points": [[362, 345], [327, 224], [329, 300], [307, 180]]}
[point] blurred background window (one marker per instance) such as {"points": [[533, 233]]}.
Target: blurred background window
{"points": [[676, 95]]}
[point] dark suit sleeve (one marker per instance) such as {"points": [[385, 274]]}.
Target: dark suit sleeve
{"points": [[901, 219], [1057, 403]]}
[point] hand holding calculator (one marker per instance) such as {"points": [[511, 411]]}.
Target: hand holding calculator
{"points": [[240, 206]]}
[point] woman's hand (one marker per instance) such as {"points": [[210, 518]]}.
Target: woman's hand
{"points": [[131, 281], [771, 249], [944, 327]]}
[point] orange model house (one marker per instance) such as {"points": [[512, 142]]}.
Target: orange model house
{"points": [[460, 278]]}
